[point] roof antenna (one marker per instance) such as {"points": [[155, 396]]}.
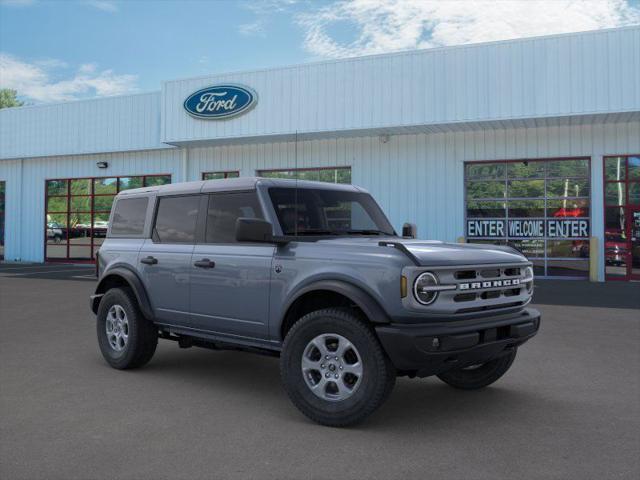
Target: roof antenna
{"points": [[295, 211]]}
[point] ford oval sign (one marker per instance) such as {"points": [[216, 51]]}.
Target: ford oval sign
{"points": [[219, 102]]}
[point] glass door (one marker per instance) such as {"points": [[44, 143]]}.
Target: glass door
{"points": [[634, 242], [622, 217]]}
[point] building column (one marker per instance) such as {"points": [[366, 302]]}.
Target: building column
{"points": [[13, 241], [184, 165], [597, 216]]}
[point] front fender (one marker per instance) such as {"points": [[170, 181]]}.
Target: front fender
{"points": [[371, 308]]}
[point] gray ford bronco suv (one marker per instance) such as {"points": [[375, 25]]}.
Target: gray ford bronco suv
{"points": [[313, 273]]}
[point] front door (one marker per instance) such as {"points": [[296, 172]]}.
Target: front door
{"points": [[230, 281]]}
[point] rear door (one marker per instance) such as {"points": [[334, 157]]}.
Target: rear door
{"points": [[230, 281], [165, 259]]}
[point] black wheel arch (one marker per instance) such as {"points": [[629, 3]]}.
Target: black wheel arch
{"points": [[369, 307], [123, 276]]}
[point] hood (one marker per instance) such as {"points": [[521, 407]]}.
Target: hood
{"points": [[448, 254], [436, 254]]}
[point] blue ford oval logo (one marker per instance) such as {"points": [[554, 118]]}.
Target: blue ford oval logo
{"points": [[220, 101]]}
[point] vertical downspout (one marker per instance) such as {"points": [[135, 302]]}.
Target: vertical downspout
{"points": [[184, 162], [18, 236]]}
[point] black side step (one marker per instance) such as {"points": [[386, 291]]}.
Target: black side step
{"points": [[186, 341]]}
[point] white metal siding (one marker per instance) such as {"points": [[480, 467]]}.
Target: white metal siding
{"points": [[90, 126], [547, 77]]}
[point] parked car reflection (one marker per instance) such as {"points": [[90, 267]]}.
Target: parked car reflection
{"points": [[54, 232]]}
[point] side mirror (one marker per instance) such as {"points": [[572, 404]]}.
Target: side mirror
{"points": [[253, 230], [409, 230]]}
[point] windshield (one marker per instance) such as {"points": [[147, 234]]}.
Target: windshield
{"points": [[310, 211]]}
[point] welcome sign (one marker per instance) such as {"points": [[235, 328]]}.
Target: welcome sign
{"points": [[219, 102], [528, 228]]}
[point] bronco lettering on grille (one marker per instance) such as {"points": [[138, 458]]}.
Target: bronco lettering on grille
{"points": [[489, 284]]}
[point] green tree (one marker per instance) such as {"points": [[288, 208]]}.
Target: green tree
{"points": [[8, 98]]}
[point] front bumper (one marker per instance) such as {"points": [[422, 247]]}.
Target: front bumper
{"points": [[429, 349]]}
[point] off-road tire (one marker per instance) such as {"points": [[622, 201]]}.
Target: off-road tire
{"points": [[142, 334], [378, 377], [481, 376]]}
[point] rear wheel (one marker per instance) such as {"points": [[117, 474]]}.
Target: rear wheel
{"points": [[126, 338], [334, 369], [479, 376]]}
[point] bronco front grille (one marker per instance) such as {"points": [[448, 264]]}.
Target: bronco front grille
{"points": [[497, 285], [477, 289]]}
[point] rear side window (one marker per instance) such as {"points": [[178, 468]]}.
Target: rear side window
{"points": [[129, 215], [176, 219], [224, 210]]}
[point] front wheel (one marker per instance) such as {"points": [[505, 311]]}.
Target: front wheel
{"points": [[334, 369], [479, 376]]}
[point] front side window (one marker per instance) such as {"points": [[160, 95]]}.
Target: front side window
{"points": [[176, 219], [129, 215], [223, 211], [328, 212]]}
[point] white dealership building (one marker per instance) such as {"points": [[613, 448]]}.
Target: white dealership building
{"points": [[533, 142]]}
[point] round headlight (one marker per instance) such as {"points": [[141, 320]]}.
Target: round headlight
{"points": [[423, 288], [528, 278]]}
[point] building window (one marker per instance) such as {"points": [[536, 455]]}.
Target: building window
{"points": [[540, 207], [219, 175], [622, 217], [77, 213], [328, 174], [2, 210]]}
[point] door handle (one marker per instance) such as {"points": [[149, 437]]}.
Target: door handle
{"points": [[149, 260], [204, 263]]}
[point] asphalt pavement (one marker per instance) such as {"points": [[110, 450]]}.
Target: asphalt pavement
{"points": [[568, 409]]}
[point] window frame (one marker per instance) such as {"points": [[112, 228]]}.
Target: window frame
{"points": [[545, 259], [259, 173], [226, 174], [93, 246]]}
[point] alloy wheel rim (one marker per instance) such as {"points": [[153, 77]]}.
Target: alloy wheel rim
{"points": [[117, 328], [332, 367]]}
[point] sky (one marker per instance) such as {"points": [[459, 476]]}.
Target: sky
{"points": [[59, 50]]}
